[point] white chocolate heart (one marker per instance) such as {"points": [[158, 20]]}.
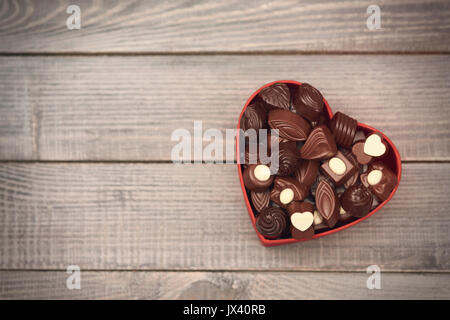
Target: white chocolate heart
{"points": [[374, 177], [373, 146], [286, 196], [337, 166], [302, 220], [262, 172]]}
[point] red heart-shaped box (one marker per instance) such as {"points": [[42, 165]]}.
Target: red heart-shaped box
{"points": [[391, 158]]}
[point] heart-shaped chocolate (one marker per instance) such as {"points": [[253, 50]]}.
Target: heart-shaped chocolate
{"points": [[376, 149]]}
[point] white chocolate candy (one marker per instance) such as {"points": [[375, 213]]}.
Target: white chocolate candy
{"points": [[373, 146], [374, 177], [342, 211], [337, 166], [302, 220], [317, 218], [286, 196], [262, 172]]}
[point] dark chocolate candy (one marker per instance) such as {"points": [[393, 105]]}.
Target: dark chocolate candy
{"points": [[308, 102], [358, 151], [338, 168], [357, 201], [344, 216], [271, 223], [290, 125], [327, 203], [287, 159], [380, 179], [307, 171], [302, 220], [257, 177], [287, 189], [260, 200], [344, 129], [276, 96], [254, 117], [319, 145], [354, 178]]}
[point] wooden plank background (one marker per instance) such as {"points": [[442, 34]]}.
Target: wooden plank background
{"points": [[85, 123]]}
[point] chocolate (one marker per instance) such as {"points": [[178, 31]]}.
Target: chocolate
{"points": [[254, 117], [271, 223], [338, 168], [323, 120], [380, 179], [344, 129], [354, 177], [357, 201], [260, 200], [358, 151], [344, 216], [257, 177], [308, 102], [319, 145], [302, 220], [287, 189], [287, 159], [307, 171], [327, 203], [320, 178], [318, 221], [290, 125], [276, 96], [375, 146]]}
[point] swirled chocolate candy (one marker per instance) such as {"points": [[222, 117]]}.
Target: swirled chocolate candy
{"points": [[257, 177], [254, 117], [344, 129], [302, 220], [276, 96], [287, 159], [380, 180], [357, 201], [271, 223], [308, 102], [338, 168], [260, 200], [287, 189], [307, 171], [319, 145], [327, 203], [290, 125]]}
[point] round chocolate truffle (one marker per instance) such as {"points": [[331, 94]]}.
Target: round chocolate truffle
{"points": [[357, 200], [271, 222], [257, 177]]}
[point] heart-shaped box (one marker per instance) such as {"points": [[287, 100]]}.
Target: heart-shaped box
{"points": [[391, 158]]}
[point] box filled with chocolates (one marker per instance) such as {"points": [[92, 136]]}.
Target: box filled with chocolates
{"points": [[318, 174]]}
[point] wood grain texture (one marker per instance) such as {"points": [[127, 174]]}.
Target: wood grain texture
{"points": [[117, 108], [222, 285], [225, 26], [192, 217]]}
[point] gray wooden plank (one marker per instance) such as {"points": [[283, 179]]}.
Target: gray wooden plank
{"points": [[192, 217], [222, 285], [126, 108], [231, 26]]}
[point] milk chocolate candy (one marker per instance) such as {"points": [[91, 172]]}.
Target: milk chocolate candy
{"points": [[287, 189], [358, 152], [290, 125], [287, 159], [260, 200], [319, 145], [381, 180], [357, 201], [338, 168], [344, 129], [254, 117], [320, 178], [327, 203], [308, 102], [302, 220], [257, 177], [272, 223], [276, 96], [354, 177], [306, 172]]}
